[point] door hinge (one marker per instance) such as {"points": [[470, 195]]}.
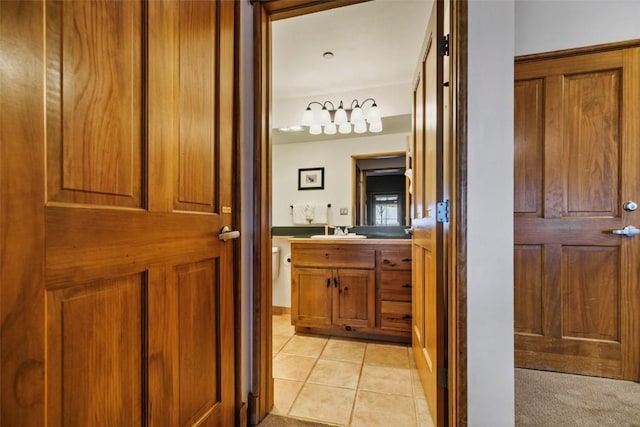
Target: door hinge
{"points": [[443, 45], [442, 377], [442, 211]]}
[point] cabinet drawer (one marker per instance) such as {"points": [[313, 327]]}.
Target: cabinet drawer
{"points": [[347, 256], [395, 259], [395, 285], [395, 315]]}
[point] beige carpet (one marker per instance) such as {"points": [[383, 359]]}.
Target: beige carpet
{"points": [[559, 400], [278, 421]]}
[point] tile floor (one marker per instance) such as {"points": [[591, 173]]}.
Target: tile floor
{"points": [[345, 382]]}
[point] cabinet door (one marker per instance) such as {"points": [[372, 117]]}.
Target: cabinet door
{"points": [[354, 298], [311, 296]]}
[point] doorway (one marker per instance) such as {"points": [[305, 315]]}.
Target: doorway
{"points": [[382, 163], [262, 397]]}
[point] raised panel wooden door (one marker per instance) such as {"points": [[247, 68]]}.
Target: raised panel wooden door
{"points": [[428, 321], [117, 156], [354, 298], [577, 155], [311, 290]]}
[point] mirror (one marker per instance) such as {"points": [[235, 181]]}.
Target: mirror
{"points": [[380, 189], [313, 61]]}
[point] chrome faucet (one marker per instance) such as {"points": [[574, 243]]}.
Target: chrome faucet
{"points": [[337, 231]]}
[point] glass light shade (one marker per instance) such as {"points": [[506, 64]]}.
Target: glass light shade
{"points": [[340, 117], [330, 129], [357, 115], [375, 127], [344, 128], [315, 129], [373, 115], [360, 127], [308, 117], [325, 117]]}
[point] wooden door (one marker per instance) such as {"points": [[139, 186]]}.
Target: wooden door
{"points": [[311, 290], [117, 156], [354, 298], [577, 158], [428, 316]]}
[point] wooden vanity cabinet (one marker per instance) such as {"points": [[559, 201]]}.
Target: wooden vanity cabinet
{"points": [[352, 289], [325, 297], [332, 285], [394, 280]]}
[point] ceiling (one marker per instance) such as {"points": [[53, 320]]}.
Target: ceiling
{"points": [[375, 47]]}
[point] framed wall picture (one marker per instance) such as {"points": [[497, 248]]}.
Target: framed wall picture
{"points": [[311, 179]]}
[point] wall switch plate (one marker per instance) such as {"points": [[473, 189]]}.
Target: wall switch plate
{"points": [[344, 211]]}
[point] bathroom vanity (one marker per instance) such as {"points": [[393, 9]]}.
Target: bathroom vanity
{"points": [[354, 288]]}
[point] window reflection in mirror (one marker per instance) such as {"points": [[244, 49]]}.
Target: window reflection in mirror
{"points": [[380, 189]]}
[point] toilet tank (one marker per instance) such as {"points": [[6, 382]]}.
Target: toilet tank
{"points": [[275, 262]]}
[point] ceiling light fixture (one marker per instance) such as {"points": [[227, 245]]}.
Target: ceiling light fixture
{"points": [[340, 119]]}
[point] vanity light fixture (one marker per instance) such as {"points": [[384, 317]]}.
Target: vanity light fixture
{"points": [[295, 128], [330, 119]]}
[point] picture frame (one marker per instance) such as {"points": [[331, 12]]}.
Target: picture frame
{"points": [[311, 179]]}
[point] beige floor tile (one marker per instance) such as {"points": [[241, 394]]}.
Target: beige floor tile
{"points": [[303, 345], [295, 368], [384, 379], [335, 373], [345, 350], [376, 409], [285, 393], [412, 360], [418, 391], [278, 342], [281, 325], [324, 404], [422, 412], [387, 355]]}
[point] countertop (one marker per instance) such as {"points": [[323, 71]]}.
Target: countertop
{"points": [[329, 241]]}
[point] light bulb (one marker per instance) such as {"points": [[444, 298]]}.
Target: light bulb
{"points": [[357, 115], [315, 129], [373, 114], [325, 117], [375, 127], [340, 117], [308, 117], [360, 127], [344, 128], [330, 129]]}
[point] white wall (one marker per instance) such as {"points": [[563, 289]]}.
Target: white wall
{"points": [[546, 25], [335, 157], [490, 214]]}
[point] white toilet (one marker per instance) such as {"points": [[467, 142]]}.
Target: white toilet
{"points": [[275, 262]]}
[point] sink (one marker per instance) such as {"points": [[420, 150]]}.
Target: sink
{"points": [[333, 236]]}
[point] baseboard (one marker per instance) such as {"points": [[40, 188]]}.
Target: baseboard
{"points": [[280, 310]]}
